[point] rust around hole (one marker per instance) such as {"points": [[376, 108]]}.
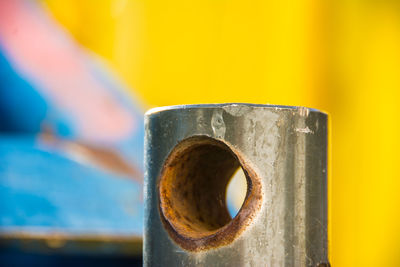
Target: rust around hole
{"points": [[192, 190]]}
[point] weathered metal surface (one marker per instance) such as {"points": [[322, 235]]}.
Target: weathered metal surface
{"points": [[190, 154]]}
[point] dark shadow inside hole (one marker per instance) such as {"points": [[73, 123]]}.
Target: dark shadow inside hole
{"points": [[193, 187]]}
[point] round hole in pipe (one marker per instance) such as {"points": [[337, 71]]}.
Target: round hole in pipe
{"points": [[192, 193]]}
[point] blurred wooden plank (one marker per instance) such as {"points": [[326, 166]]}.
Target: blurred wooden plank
{"points": [[49, 202]]}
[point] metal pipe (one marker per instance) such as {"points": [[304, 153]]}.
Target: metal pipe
{"points": [[192, 151]]}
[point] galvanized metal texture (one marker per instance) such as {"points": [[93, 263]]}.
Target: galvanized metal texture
{"points": [[191, 153]]}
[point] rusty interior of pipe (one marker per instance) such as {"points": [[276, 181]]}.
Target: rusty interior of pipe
{"points": [[192, 194]]}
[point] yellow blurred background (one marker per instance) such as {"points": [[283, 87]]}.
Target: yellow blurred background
{"points": [[339, 56]]}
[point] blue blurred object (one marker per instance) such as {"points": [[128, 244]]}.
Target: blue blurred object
{"points": [[47, 197], [22, 108], [71, 150], [42, 192], [14, 258]]}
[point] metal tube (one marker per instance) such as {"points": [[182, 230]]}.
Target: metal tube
{"points": [[191, 153]]}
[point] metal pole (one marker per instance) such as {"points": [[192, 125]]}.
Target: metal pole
{"points": [[191, 153]]}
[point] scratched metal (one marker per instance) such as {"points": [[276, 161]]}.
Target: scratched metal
{"points": [[286, 147]]}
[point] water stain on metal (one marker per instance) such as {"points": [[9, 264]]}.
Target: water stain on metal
{"points": [[192, 192], [218, 124], [303, 111], [304, 130]]}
